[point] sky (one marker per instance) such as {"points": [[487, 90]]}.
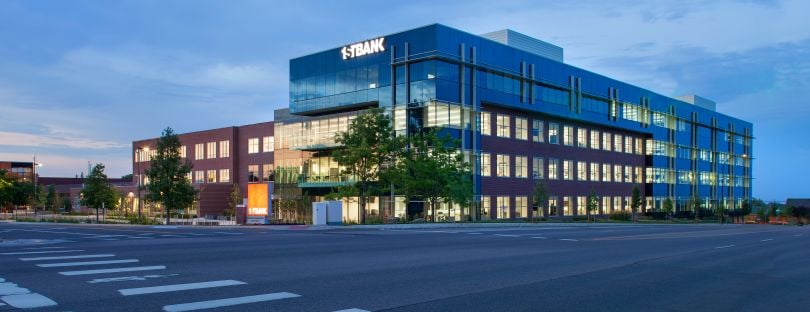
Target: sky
{"points": [[81, 80]]}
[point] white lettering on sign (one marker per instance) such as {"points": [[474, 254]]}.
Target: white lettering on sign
{"points": [[363, 48]]}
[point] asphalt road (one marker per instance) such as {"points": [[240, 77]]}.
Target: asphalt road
{"points": [[56, 267]]}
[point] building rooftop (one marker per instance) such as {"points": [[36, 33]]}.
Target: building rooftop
{"points": [[526, 43]]}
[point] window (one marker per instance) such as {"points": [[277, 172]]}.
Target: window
{"points": [[606, 204], [638, 146], [268, 144], [617, 143], [211, 176], [486, 165], [521, 128], [552, 205], [190, 177], [617, 173], [502, 169], [182, 151], [224, 175], [594, 171], [617, 203], [606, 173], [521, 166], [502, 125], [628, 174], [552, 168], [211, 148], [567, 167], [582, 137], [537, 131], [199, 176], [628, 144], [568, 135], [253, 172], [537, 168], [566, 205], [199, 151], [521, 207], [581, 206], [224, 149], [503, 206], [253, 145], [486, 207], [638, 176], [594, 139], [553, 135], [486, 124], [582, 171], [606, 141], [267, 170]]}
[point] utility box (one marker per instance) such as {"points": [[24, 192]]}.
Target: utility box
{"points": [[327, 212]]}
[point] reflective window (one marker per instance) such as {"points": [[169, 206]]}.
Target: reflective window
{"points": [[521, 128], [537, 131]]}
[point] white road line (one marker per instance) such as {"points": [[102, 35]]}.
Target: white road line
{"points": [[766, 240], [231, 233], [172, 236], [506, 235], [67, 257], [114, 270], [199, 305], [110, 239], [569, 239], [37, 248], [475, 233], [28, 301], [178, 287], [353, 310], [66, 264], [539, 237], [726, 246], [129, 278], [797, 235], [38, 252]]}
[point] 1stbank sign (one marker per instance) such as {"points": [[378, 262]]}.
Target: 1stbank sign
{"points": [[363, 48]]}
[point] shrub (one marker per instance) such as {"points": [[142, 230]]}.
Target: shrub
{"points": [[621, 215]]}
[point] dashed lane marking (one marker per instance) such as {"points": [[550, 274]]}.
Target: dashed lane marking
{"points": [[506, 235], [114, 270], [726, 246], [539, 237], [37, 248], [475, 233], [38, 252], [67, 257], [766, 240], [67, 264], [569, 239], [210, 304], [178, 287]]}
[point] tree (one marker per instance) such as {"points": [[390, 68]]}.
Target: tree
{"points": [[6, 189], [168, 182], [127, 177], [366, 151], [432, 169], [540, 197], [52, 199], [668, 207], [592, 205], [772, 209], [635, 201], [694, 204], [234, 199], [98, 192]]}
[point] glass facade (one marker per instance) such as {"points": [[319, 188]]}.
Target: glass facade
{"points": [[439, 77]]}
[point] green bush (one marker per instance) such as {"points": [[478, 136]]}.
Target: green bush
{"points": [[621, 215]]}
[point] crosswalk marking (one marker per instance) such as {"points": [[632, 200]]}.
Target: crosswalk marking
{"points": [[114, 270], [129, 278], [65, 264], [38, 252], [28, 301], [199, 305], [67, 257], [178, 287]]}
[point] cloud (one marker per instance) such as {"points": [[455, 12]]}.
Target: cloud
{"points": [[39, 140], [60, 165]]}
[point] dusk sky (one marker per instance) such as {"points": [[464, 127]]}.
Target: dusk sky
{"points": [[80, 80]]}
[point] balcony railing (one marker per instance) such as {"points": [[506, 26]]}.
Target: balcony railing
{"points": [[323, 181]]}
